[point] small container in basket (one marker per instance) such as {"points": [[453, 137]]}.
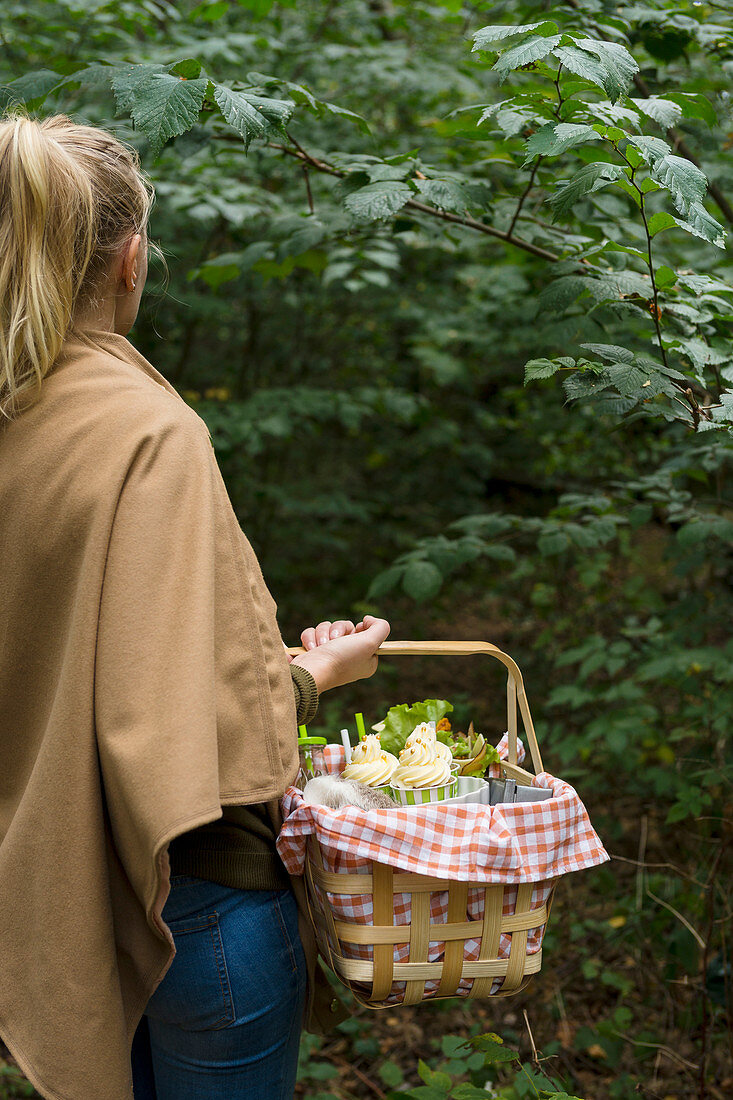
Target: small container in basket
{"points": [[312, 760], [421, 796]]}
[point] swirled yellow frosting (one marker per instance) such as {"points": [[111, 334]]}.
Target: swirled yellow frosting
{"points": [[420, 765], [370, 763]]}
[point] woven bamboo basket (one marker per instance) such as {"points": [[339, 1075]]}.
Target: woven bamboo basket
{"points": [[499, 924]]}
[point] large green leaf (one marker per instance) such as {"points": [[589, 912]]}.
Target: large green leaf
{"points": [[251, 115], [664, 111], [377, 200], [618, 65], [534, 49], [447, 194], [483, 39], [422, 580], [702, 224], [127, 78], [557, 137], [164, 106], [588, 179], [683, 179], [652, 149], [580, 63], [612, 352], [540, 368]]}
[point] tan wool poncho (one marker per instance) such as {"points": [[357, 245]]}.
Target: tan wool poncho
{"points": [[143, 685]]}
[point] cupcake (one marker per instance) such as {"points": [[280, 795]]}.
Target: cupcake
{"points": [[370, 763], [426, 732], [423, 773]]}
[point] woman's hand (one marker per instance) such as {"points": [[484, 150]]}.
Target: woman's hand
{"points": [[340, 652]]}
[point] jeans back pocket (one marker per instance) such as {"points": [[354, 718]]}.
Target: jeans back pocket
{"points": [[195, 994]]}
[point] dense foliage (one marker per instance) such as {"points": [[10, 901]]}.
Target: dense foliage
{"points": [[454, 300]]}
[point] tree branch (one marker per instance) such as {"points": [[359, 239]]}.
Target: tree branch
{"points": [[470, 223]]}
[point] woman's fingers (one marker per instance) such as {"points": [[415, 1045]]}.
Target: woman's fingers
{"points": [[326, 631], [340, 628]]}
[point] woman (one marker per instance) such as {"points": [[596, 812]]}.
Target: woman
{"points": [[147, 706]]}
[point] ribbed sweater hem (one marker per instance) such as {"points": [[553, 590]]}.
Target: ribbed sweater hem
{"points": [[237, 868]]}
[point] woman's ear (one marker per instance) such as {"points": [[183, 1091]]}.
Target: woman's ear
{"points": [[130, 264]]}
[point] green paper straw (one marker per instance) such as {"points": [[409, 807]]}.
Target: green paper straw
{"points": [[360, 725], [303, 731]]}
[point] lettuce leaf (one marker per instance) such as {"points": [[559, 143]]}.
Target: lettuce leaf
{"points": [[401, 721]]}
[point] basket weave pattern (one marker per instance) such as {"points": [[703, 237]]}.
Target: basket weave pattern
{"points": [[400, 938], [397, 936]]}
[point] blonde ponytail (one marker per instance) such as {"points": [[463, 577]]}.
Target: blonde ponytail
{"points": [[70, 196]]}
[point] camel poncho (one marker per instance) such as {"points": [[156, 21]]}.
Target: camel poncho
{"points": [[143, 684]]}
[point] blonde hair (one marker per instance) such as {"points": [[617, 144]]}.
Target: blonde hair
{"points": [[70, 197]]}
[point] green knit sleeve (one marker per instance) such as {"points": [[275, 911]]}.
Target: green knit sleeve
{"points": [[306, 694]]}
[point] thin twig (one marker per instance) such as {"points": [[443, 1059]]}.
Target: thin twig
{"points": [[657, 1046], [535, 1056], [523, 196], [661, 866], [683, 920], [641, 853]]}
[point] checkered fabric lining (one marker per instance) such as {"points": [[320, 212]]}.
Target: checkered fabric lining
{"points": [[523, 842]]}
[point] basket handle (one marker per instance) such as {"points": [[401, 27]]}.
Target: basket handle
{"points": [[515, 693]]}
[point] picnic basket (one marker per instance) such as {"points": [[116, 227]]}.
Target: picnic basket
{"points": [[385, 962]]}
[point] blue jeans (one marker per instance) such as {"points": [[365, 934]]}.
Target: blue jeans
{"points": [[225, 1021]]}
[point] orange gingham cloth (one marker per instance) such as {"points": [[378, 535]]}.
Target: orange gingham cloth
{"points": [[510, 843]]}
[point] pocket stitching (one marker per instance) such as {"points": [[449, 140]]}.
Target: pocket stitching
{"points": [[200, 924], [229, 1016], [286, 937], [194, 924]]}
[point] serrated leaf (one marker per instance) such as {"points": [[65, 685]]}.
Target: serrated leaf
{"points": [[702, 224], [651, 148], [164, 106], [534, 49], [557, 138], [663, 111], [611, 352], [422, 580], [468, 1092], [585, 384], [446, 194], [377, 200], [483, 38], [127, 78], [683, 179], [628, 379], [540, 368], [618, 65], [590, 178], [579, 62], [251, 115]]}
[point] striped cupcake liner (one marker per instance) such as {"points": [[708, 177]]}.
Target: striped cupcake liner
{"points": [[420, 796]]}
